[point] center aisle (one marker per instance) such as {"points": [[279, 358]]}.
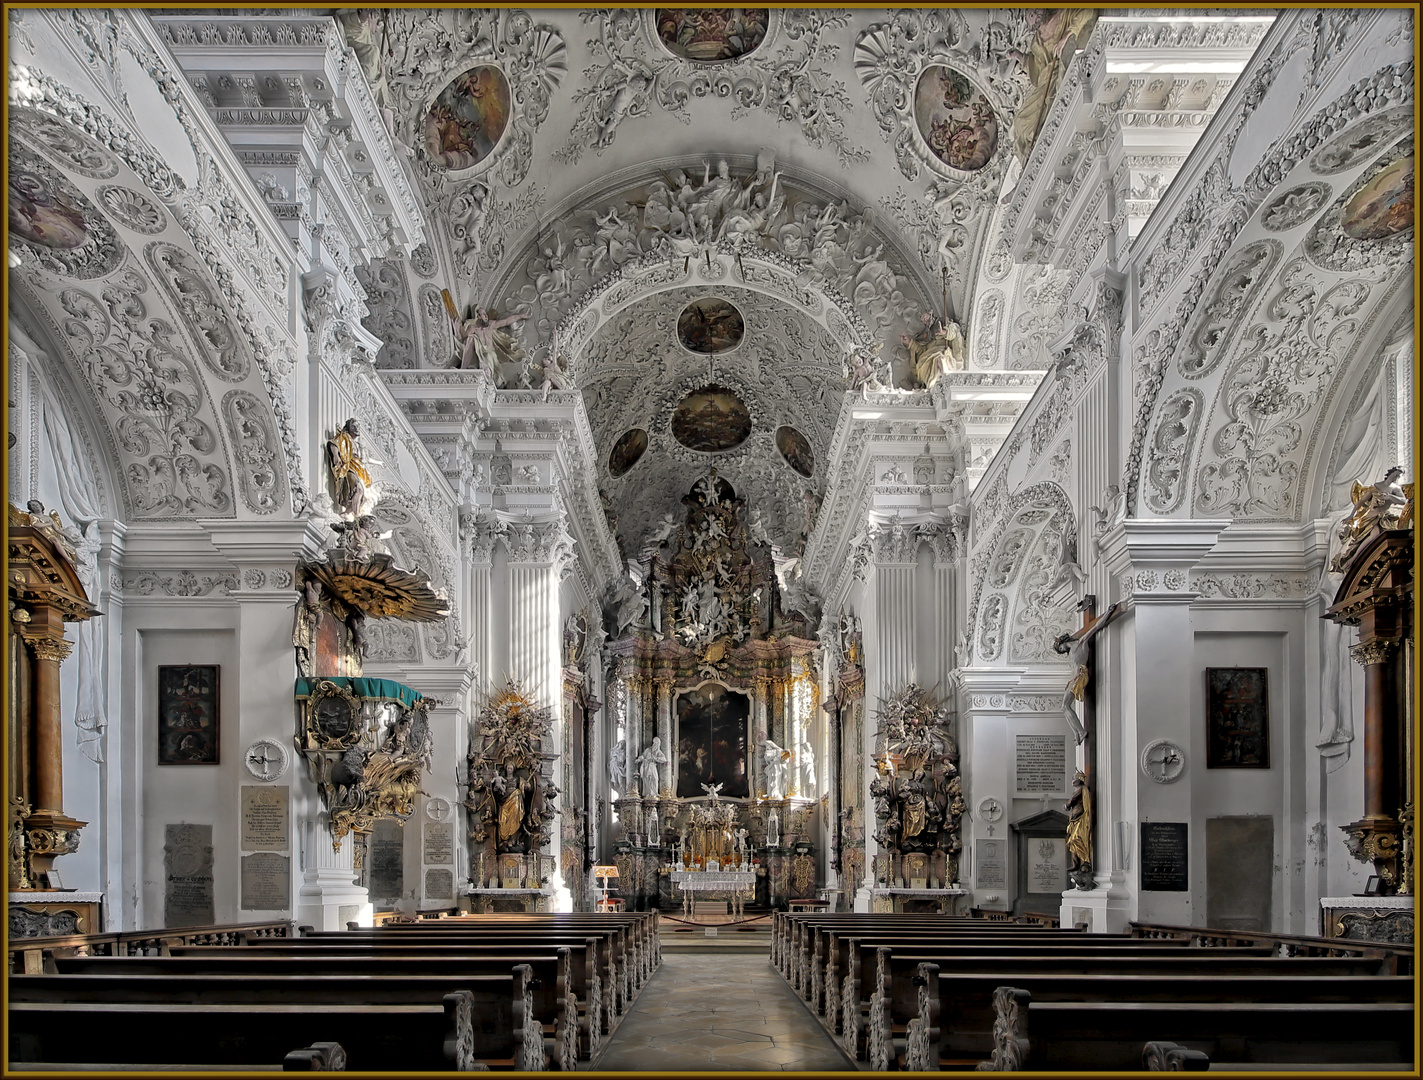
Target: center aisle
{"points": [[719, 1011]]}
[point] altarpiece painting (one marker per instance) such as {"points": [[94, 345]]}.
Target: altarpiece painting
{"points": [[711, 742]]}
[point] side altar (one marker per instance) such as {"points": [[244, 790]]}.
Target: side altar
{"points": [[715, 716]]}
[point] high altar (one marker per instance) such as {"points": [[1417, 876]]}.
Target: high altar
{"points": [[716, 707]]}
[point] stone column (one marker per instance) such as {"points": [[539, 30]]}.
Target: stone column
{"points": [[664, 732], [480, 534]]}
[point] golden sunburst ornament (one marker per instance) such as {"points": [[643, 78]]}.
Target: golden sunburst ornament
{"points": [[381, 589]]}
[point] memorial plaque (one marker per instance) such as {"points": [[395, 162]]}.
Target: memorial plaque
{"points": [[991, 859], [187, 875], [1041, 764], [266, 882], [439, 884], [439, 843], [385, 863], [1163, 856], [1240, 858], [264, 818], [1047, 864]]}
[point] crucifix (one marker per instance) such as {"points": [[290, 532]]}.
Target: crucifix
{"points": [[1078, 646]]}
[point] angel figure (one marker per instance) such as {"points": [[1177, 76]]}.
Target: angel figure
{"points": [[556, 376]]}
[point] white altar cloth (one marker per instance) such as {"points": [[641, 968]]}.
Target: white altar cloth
{"points": [[736, 885]]}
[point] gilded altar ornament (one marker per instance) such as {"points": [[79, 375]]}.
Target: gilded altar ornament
{"points": [[511, 792]]}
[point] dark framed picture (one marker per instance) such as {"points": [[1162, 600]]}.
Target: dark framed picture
{"points": [[187, 714], [1237, 718], [1371, 887]]}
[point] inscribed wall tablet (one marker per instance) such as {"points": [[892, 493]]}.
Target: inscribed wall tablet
{"points": [[1047, 864], [439, 843], [265, 818], [439, 884], [187, 875], [1041, 764], [385, 863], [266, 882], [990, 860], [1163, 856]]}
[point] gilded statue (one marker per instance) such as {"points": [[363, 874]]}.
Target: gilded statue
{"points": [[1079, 832], [1382, 505], [1078, 647], [348, 472], [511, 808], [913, 806]]}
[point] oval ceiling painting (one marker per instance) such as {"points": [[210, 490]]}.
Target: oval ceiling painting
{"points": [[1383, 206], [712, 34], [796, 450], [627, 451], [955, 119], [711, 419], [466, 121], [43, 215], [710, 325]]}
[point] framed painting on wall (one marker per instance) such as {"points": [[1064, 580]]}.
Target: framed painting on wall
{"points": [[188, 714], [1237, 718]]}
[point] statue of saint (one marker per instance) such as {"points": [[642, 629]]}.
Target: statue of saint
{"points": [[486, 343], [511, 809], [348, 472], [913, 806], [647, 763], [1379, 505], [935, 349], [775, 759], [1079, 832]]}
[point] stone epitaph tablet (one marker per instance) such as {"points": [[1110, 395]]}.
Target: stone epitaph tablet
{"points": [[1047, 864], [264, 818], [266, 881], [991, 860], [439, 843], [439, 884], [1041, 764], [1163, 856], [385, 863], [187, 875]]}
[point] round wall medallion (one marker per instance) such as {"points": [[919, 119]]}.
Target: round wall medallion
{"points": [[266, 759], [439, 808], [1163, 761], [990, 809]]}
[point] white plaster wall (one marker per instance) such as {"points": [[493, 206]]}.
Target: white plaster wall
{"points": [[195, 794]]}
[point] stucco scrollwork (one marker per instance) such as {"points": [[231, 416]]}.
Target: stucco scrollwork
{"points": [[254, 441], [188, 285], [1291, 209], [133, 210], [1236, 288], [1171, 444]]}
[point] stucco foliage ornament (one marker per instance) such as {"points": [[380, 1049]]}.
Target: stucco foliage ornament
{"points": [[1379, 94], [154, 399], [389, 318]]}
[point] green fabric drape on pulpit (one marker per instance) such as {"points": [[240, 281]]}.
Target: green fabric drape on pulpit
{"points": [[380, 689]]}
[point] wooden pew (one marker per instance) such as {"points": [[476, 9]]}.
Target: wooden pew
{"points": [[1111, 1035], [633, 954], [576, 1032], [451, 1034], [318, 1057], [952, 1020], [856, 998], [1171, 1057]]}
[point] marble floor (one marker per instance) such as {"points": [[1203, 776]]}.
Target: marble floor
{"points": [[728, 1012]]}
